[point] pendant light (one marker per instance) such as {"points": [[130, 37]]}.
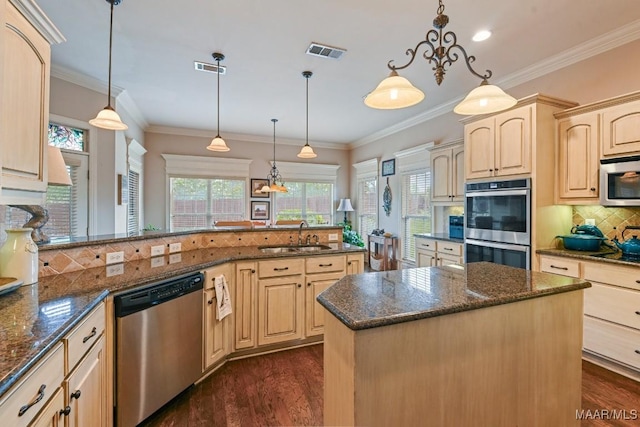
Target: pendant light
{"points": [[275, 183], [307, 151], [107, 118], [217, 143]]}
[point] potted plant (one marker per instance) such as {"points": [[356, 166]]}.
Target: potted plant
{"points": [[351, 236]]}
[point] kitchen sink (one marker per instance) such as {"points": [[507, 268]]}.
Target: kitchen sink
{"points": [[289, 249]]}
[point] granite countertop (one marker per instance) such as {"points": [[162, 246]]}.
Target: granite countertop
{"points": [[34, 318], [439, 236], [611, 256], [379, 299]]}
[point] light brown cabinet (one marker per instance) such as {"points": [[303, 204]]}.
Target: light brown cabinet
{"points": [[24, 104], [432, 252], [499, 145], [280, 309], [314, 312], [578, 159], [621, 129], [447, 173], [245, 308], [53, 413], [355, 263], [217, 333]]}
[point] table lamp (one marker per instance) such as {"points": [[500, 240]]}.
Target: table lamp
{"points": [[345, 206]]}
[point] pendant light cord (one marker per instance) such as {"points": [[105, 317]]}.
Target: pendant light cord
{"points": [[274, 143], [218, 72], [307, 137], [110, 48]]}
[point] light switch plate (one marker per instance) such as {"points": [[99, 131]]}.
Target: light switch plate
{"points": [[174, 258], [157, 262], [333, 237], [157, 250], [175, 247], [115, 257], [114, 270]]}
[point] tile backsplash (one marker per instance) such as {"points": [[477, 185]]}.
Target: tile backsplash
{"points": [[612, 221]]}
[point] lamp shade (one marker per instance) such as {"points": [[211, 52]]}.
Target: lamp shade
{"points": [[107, 118], [56, 168], [307, 152], [394, 92], [345, 205], [485, 99], [218, 144]]}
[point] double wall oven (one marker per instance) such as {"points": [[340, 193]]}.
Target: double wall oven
{"points": [[498, 222]]}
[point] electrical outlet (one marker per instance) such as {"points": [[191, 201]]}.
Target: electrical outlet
{"points": [[115, 257], [590, 221], [333, 245], [114, 270], [157, 262], [174, 258], [175, 247], [333, 237], [157, 250]]}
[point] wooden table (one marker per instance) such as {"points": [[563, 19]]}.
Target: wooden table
{"points": [[388, 247]]}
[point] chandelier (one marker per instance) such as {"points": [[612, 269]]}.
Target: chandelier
{"points": [[275, 184], [441, 50]]}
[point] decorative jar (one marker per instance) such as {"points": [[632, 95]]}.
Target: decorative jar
{"points": [[19, 256]]}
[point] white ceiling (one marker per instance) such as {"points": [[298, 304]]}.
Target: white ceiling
{"points": [[156, 43]]}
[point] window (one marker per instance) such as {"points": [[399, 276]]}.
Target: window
{"points": [[367, 205], [416, 209], [200, 202], [311, 201], [67, 137], [133, 208]]}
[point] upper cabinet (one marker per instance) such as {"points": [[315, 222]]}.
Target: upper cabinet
{"points": [[621, 129], [499, 145], [24, 101], [447, 173]]}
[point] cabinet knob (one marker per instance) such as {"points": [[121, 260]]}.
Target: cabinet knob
{"points": [[490, 170], [210, 302], [593, 189], [349, 263], [66, 411], [496, 169], [76, 395], [299, 285], [309, 284], [252, 271], [638, 313]]}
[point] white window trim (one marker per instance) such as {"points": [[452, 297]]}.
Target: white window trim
{"points": [[92, 138], [203, 167], [136, 164], [294, 171]]}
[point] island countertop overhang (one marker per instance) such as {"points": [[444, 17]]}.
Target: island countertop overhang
{"points": [[373, 300]]}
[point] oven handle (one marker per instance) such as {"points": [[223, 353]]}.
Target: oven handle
{"points": [[518, 248], [523, 192]]}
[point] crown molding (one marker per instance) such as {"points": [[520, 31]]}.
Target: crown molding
{"points": [[30, 10], [588, 49], [127, 103]]}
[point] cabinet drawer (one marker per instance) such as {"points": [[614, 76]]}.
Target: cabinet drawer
{"points": [[444, 259], [615, 304], [618, 275], [42, 380], [425, 244], [325, 264], [82, 337], [280, 267], [564, 267], [613, 341], [449, 248]]}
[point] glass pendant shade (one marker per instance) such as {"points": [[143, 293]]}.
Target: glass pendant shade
{"points": [[108, 119], [218, 144], [307, 152], [394, 92], [485, 99]]}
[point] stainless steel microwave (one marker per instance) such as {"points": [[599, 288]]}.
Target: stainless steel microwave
{"points": [[620, 181]]}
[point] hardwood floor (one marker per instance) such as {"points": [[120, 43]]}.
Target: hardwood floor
{"points": [[285, 388]]}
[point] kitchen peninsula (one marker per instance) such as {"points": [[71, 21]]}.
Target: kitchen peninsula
{"points": [[482, 344]]}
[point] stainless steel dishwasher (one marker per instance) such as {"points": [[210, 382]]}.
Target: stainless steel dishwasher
{"points": [[158, 345]]}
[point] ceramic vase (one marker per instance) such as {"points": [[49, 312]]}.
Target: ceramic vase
{"points": [[19, 256]]}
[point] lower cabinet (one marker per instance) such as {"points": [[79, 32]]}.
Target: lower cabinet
{"points": [[86, 388], [355, 263], [217, 337], [280, 308], [244, 305], [53, 413], [314, 313], [432, 252]]}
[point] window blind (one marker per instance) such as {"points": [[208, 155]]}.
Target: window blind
{"points": [[416, 209], [133, 218], [367, 205]]}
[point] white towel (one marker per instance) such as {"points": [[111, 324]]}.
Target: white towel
{"points": [[223, 306]]}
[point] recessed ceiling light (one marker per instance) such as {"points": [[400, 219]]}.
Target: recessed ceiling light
{"points": [[481, 35]]}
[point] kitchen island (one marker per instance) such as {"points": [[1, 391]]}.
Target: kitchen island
{"points": [[479, 345]]}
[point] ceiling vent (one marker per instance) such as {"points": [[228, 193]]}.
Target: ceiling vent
{"points": [[324, 51], [209, 68]]}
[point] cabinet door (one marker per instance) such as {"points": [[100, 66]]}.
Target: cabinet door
{"points": [[280, 307], [621, 129], [24, 104], [457, 174], [52, 415], [448, 259], [355, 263], [246, 282], [86, 388], [425, 258], [216, 332], [441, 173], [479, 149], [513, 142], [578, 157], [317, 283]]}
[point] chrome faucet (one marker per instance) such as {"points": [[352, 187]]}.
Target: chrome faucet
{"points": [[302, 224]]}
